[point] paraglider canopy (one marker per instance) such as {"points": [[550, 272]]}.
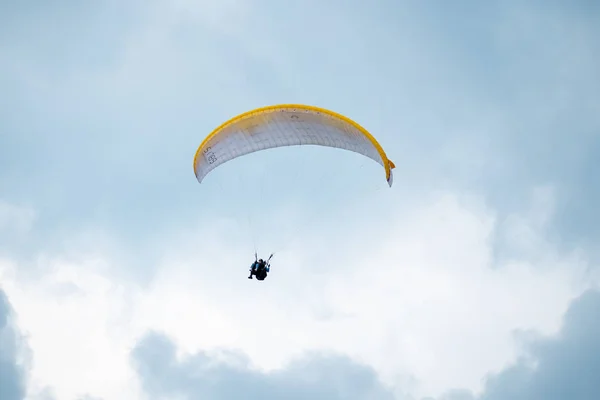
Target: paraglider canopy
{"points": [[286, 125]]}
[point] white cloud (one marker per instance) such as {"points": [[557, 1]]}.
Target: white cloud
{"points": [[68, 317], [425, 302]]}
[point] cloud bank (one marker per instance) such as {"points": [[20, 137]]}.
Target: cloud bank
{"points": [[560, 366]]}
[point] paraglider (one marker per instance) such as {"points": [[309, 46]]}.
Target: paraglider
{"points": [[281, 126], [260, 268]]}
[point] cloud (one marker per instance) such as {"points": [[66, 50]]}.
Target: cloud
{"points": [[528, 74], [13, 367], [561, 366], [423, 320], [229, 375]]}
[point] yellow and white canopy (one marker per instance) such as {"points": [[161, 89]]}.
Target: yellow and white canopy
{"points": [[286, 125]]}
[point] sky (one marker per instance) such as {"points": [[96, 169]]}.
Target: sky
{"points": [[475, 277]]}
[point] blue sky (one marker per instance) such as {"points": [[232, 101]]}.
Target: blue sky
{"points": [[491, 113]]}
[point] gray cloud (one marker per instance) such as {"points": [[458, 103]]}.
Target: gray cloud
{"points": [[228, 375], [566, 366], [16, 360], [13, 374]]}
